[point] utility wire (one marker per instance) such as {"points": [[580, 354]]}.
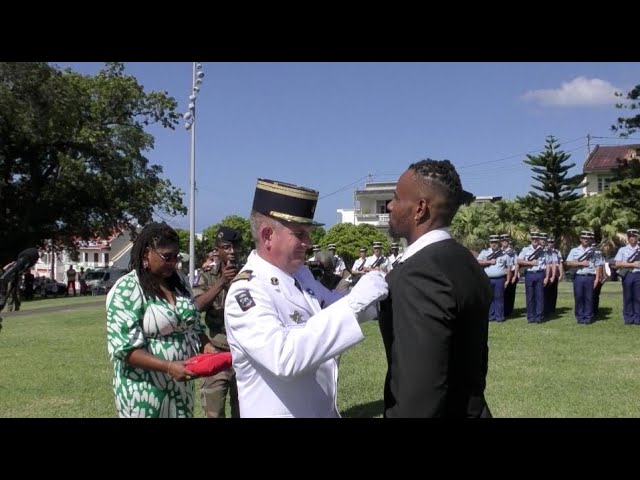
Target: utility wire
{"points": [[618, 138], [342, 189]]}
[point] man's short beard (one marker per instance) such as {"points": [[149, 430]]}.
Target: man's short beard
{"points": [[395, 233]]}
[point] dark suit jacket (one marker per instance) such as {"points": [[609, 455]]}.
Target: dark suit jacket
{"points": [[434, 326]]}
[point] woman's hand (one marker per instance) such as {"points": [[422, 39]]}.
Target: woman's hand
{"points": [[177, 371]]}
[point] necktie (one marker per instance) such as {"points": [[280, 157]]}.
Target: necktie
{"points": [[297, 284]]}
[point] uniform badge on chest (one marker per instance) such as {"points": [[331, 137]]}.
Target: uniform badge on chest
{"points": [[295, 316]]}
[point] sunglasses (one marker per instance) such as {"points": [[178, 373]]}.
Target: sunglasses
{"points": [[173, 257]]}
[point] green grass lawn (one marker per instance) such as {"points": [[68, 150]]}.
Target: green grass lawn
{"points": [[59, 301], [56, 364]]}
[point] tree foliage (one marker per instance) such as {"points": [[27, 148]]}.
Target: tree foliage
{"points": [[232, 221], [553, 209], [627, 126], [183, 235], [72, 155], [317, 234], [473, 224], [349, 238], [607, 219], [625, 188]]}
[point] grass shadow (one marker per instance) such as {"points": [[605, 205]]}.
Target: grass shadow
{"points": [[364, 410], [517, 313], [559, 313], [603, 314]]}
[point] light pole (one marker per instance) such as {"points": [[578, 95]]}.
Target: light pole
{"points": [[190, 124]]}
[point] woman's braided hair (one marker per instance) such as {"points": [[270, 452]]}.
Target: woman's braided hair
{"points": [[152, 236]]}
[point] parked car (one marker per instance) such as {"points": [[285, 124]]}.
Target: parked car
{"points": [[101, 280], [45, 286]]}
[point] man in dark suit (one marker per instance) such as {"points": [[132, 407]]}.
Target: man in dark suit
{"points": [[434, 323]]}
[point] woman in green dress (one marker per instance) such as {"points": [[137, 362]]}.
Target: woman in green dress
{"points": [[152, 328]]}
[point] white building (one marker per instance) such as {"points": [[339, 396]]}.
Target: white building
{"points": [[99, 253], [371, 205], [599, 166]]}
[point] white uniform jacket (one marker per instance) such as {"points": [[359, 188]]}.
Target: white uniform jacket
{"points": [[283, 343]]}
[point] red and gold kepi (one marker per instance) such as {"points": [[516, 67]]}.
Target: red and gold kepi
{"points": [[285, 201]]}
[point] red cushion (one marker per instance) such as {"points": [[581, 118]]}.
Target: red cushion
{"points": [[207, 364]]}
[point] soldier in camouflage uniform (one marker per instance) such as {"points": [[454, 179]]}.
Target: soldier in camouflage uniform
{"points": [[210, 293]]}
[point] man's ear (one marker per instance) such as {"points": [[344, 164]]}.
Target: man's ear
{"points": [[422, 211], [266, 233]]}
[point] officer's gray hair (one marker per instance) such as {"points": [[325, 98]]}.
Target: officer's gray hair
{"points": [[257, 220]]}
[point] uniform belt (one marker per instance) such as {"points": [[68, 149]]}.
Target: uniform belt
{"points": [[586, 274], [494, 278]]}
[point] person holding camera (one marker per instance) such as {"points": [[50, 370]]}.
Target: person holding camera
{"points": [[323, 270], [210, 293]]}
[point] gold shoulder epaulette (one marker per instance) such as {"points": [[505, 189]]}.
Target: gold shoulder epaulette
{"points": [[244, 275]]}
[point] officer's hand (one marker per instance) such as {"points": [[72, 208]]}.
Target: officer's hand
{"points": [[371, 288], [492, 261]]}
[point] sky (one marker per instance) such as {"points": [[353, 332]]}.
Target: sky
{"points": [[334, 126]]}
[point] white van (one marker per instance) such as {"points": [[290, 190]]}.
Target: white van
{"points": [[101, 280]]}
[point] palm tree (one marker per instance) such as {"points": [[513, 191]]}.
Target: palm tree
{"points": [[473, 224], [511, 221], [607, 220]]}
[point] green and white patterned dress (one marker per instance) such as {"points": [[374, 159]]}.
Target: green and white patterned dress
{"points": [[171, 333]]}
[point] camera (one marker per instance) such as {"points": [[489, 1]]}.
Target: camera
{"points": [[316, 269], [233, 265]]}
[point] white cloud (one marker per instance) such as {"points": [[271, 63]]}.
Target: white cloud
{"points": [[579, 92]]}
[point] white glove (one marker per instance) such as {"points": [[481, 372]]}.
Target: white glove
{"points": [[371, 288]]}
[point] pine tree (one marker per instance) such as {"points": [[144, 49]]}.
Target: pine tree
{"points": [[625, 187], [554, 208]]}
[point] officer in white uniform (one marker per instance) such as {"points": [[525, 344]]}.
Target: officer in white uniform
{"points": [[340, 267], [497, 266], [357, 270], [284, 328], [628, 264], [377, 261], [394, 258], [316, 249]]}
